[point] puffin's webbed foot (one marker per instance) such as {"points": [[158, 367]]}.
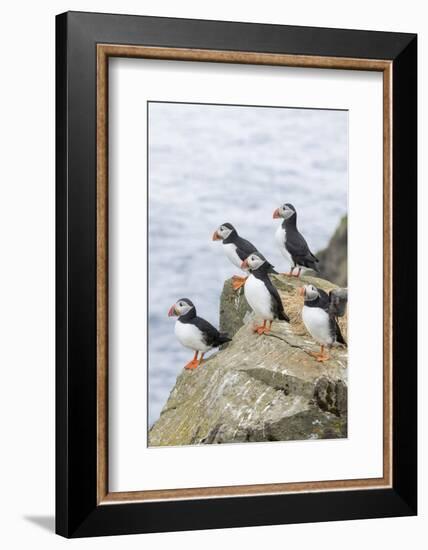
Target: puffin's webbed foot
{"points": [[193, 364], [291, 273], [259, 329], [320, 356], [262, 329], [238, 282], [323, 357], [267, 328]]}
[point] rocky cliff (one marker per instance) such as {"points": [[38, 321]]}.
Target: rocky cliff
{"points": [[259, 388], [334, 258]]}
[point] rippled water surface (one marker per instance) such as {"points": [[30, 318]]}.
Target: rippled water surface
{"points": [[211, 164]]}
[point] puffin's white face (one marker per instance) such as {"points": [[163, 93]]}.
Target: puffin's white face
{"points": [[284, 212], [253, 262], [222, 233], [179, 308], [310, 292]]}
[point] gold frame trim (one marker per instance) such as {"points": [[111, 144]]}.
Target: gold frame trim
{"points": [[104, 51]]}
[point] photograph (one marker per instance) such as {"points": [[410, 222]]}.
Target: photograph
{"points": [[247, 273], [213, 275]]}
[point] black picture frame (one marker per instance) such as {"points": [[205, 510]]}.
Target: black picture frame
{"points": [[77, 511]]}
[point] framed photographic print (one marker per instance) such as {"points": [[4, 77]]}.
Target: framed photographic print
{"points": [[236, 274]]}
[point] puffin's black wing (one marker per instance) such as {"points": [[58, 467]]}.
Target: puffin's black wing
{"points": [[278, 308], [244, 248], [338, 298], [211, 335], [271, 269], [298, 249], [323, 300]]}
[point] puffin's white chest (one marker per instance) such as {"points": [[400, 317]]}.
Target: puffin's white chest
{"points": [[258, 297], [230, 251], [317, 322], [190, 336], [280, 241]]}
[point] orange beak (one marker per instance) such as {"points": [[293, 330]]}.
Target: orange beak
{"points": [[301, 291], [276, 214], [245, 265], [215, 236], [172, 312]]}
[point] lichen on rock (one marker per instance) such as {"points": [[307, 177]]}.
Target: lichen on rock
{"points": [[259, 388]]}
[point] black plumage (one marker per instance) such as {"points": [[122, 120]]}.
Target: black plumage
{"points": [[243, 247], [296, 244], [262, 273], [211, 336]]}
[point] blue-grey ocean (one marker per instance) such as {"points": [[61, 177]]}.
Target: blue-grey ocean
{"points": [[210, 164]]}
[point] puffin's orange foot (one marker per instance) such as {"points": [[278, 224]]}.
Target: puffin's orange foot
{"points": [[258, 329], [323, 357], [261, 329], [292, 274], [192, 364], [320, 356], [238, 282]]}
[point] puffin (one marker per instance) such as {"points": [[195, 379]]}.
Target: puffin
{"points": [[194, 332], [237, 250], [261, 294], [291, 242], [320, 312]]}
